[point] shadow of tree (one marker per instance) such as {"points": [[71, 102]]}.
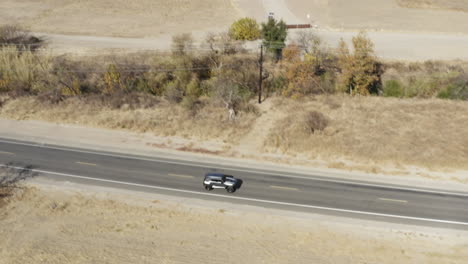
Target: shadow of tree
{"points": [[11, 175]]}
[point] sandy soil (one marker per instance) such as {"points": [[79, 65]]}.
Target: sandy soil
{"points": [[427, 133], [454, 5], [127, 18], [381, 15], [65, 224], [92, 26]]}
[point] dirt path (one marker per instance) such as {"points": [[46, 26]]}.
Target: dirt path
{"points": [[253, 142]]}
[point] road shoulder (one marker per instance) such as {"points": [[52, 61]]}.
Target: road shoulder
{"points": [[143, 144]]}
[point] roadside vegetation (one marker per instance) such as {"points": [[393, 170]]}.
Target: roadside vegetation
{"points": [[10, 180], [207, 91]]}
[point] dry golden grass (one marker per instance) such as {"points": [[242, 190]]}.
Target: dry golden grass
{"points": [[136, 18], [429, 133], [62, 225], [393, 15], [456, 5], [209, 123], [365, 133]]}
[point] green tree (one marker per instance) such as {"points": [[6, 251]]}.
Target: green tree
{"points": [[245, 29], [274, 35], [360, 71]]}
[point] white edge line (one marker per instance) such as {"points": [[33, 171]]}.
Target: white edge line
{"points": [[393, 200], [284, 188], [86, 163], [180, 175], [246, 199], [232, 168]]}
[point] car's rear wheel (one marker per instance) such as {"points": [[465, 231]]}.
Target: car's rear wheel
{"points": [[231, 189], [208, 187]]}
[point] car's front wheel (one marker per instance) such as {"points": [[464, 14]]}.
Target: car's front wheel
{"points": [[208, 187], [231, 189]]}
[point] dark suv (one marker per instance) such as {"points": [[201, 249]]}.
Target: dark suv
{"points": [[221, 181]]}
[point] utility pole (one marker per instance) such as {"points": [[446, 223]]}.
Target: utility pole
{"points": [[260, 77]]}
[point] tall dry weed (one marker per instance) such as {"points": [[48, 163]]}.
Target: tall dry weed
{"points": [[24, 70], [422, 132]]}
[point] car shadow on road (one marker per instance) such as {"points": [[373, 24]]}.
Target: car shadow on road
{"points": [[239, 184]]}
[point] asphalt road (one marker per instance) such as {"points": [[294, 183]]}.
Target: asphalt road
{"points": [[260, 187]]}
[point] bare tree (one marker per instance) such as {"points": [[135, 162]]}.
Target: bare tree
{"points": [[228, 94], [307, 40], [222, 44]]}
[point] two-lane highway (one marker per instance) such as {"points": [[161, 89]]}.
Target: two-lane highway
{"points": [[261, 187]]}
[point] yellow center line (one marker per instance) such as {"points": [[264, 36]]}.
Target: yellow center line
{"points": [[393, 200], [180, 175], [7, 153], [284, 188], [86, 163]]}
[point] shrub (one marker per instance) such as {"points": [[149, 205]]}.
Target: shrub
{"points": [[182, 44], [250, 108], [393, 88], [276, 83], [112, 80], [328, 82], [191, 103], [241, 72], [193, 89], [301, 80], [307, 40], [174, 92], [11, 35], [360, 71], [221, 44], [307, 77], [292, 53], [75, 77], [245, 29], [315, 121], [23, 71], [456, 90]]}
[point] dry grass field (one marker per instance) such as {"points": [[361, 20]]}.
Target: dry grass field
{"points": [[164, 119], [125, 18], [393, 15], [455, 5], [69, 224], [370, 130]]}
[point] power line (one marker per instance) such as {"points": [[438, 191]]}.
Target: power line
{"points": [[134, 70]]}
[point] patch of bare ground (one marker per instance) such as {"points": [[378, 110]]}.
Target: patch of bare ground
{"points": [[207, 123], [45, 224], [392, 15], [455, 5], [254, 140], [430, 133], [136, 18]]}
